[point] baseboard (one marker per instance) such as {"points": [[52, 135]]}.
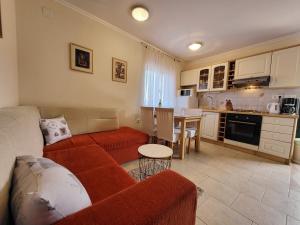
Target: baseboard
{"points": [[248, 151]]}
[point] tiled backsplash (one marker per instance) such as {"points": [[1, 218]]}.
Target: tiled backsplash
{"points": [[254, 99]]}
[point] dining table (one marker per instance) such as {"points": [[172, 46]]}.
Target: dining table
{"points": [[184, 120]]}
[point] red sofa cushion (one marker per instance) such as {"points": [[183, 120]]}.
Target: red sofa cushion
{"points": [[118, 139], [104, 181], [124, 155], [79, 159], [74, 141]]}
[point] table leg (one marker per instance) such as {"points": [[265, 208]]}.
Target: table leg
{"points": [[182, 139], [197, 144]]}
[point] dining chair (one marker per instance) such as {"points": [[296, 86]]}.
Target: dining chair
{"points": [[148, 122], [191, 128], [165, 126]]}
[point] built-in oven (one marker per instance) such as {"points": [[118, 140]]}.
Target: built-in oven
{"points": [[243, 128]]}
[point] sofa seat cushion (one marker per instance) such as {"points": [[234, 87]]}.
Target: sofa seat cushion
{"points": [[118, 139], [79, 159], [103, 182], [75, 141], [125, 154]]}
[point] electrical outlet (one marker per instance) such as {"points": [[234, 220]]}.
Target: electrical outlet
{"points": [[276, 97]]}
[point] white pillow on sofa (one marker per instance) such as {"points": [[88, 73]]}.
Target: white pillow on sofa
{"points": [[44, 192], [55, 129]]}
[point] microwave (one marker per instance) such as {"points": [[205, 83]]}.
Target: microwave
{"points": [[186, 92]]}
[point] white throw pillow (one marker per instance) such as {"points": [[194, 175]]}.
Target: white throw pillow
{"points": [[55, 129], [44, 192]]}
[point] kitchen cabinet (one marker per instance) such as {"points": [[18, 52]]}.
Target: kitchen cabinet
{"points": [[210, 125], [285, 69], [277, 136], [204, 79], [189, 77], [254, 66], [213, 78], [219, 77]]}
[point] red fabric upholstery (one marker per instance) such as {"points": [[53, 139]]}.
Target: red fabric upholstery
{"points": [[104, 181], [80, 159], [164, 199], [118, 139], [74, 141]]}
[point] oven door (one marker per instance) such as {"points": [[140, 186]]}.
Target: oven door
{"points": [[243, 128]]}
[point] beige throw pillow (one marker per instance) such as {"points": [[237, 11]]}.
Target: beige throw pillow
{"points": [[55, 129], [44, 192]]}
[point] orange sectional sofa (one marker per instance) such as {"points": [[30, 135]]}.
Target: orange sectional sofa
{"points": [[95, 157], [165, 199]]}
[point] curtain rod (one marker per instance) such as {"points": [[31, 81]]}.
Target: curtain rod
{"points": [[166, 54]]}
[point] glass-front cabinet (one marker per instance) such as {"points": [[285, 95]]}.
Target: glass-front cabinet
{"points": [[219, 77], [204, 79]]}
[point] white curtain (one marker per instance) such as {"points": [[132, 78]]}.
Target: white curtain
{"points": [[160, 74]]}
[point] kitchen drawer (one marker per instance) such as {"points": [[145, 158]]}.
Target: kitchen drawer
{"points": [[277, 128], [278, 121], [276, 136], [277, 148]]}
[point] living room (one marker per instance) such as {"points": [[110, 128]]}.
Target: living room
{"points": [[110, 73]]}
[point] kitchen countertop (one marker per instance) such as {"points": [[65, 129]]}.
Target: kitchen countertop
{"points": [[252, 113]]}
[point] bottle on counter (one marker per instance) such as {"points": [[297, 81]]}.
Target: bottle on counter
{"points": [[228, 105]]}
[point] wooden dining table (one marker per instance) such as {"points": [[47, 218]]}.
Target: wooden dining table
{"points": [[184, 119]]}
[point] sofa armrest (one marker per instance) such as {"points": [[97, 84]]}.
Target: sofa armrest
{"points": [[164, 199]]}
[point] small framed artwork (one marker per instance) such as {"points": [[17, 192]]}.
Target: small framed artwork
{"points": [[81, 58], [119, 70]]}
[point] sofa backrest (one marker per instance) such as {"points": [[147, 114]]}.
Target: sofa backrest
{"points": [[19, 135], [84, 120]]}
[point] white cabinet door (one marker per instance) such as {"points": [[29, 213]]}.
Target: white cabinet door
{"points": [[285, 70], [219, 77], [210, 125], [204, 79], [189, 77], [254, 66]]}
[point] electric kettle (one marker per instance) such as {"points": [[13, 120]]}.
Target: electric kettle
{"points": [[273, 108]]}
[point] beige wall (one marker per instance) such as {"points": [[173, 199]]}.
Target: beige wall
{"points": [[45, 77], [8, 56], [277, 43]]}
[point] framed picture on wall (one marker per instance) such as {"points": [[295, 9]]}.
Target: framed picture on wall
{"points": [[119, 70], [1, 35], [81, 58]]}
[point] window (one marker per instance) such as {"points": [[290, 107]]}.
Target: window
{"points": [[159, 79]]}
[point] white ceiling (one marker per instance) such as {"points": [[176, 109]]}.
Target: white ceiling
{"points": [[221, 24]]}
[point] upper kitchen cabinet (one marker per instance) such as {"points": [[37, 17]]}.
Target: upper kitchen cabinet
{"points": [[204, 79], [219, 77], [254, 66], [285, 70], [189, 77]]}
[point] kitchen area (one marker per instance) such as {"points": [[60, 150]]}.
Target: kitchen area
{"points": [[249, 104]]}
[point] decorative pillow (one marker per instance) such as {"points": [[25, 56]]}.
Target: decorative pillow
{"points": [[55, 129], [44, 192]]}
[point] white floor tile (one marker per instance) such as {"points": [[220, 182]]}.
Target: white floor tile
{"points": [[257, 212], [213, 212]]}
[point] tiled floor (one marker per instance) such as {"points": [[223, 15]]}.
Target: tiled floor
{"points": [[240, 188]]}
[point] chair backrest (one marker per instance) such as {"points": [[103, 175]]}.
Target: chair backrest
{"points": [[147, 119], [165, 123]]}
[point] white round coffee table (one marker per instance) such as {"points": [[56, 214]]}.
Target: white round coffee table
{"points": [[154, 159]]}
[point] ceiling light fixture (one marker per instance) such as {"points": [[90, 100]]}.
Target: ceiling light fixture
{"points": [[140, 13], [195, 46]]}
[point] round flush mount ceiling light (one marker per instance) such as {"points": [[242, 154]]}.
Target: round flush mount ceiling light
{"points": [[140, 13], [195, 46]]}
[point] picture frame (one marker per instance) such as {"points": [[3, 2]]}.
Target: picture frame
{"points": [[119, 70], [81, 58], [1, 34]]}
